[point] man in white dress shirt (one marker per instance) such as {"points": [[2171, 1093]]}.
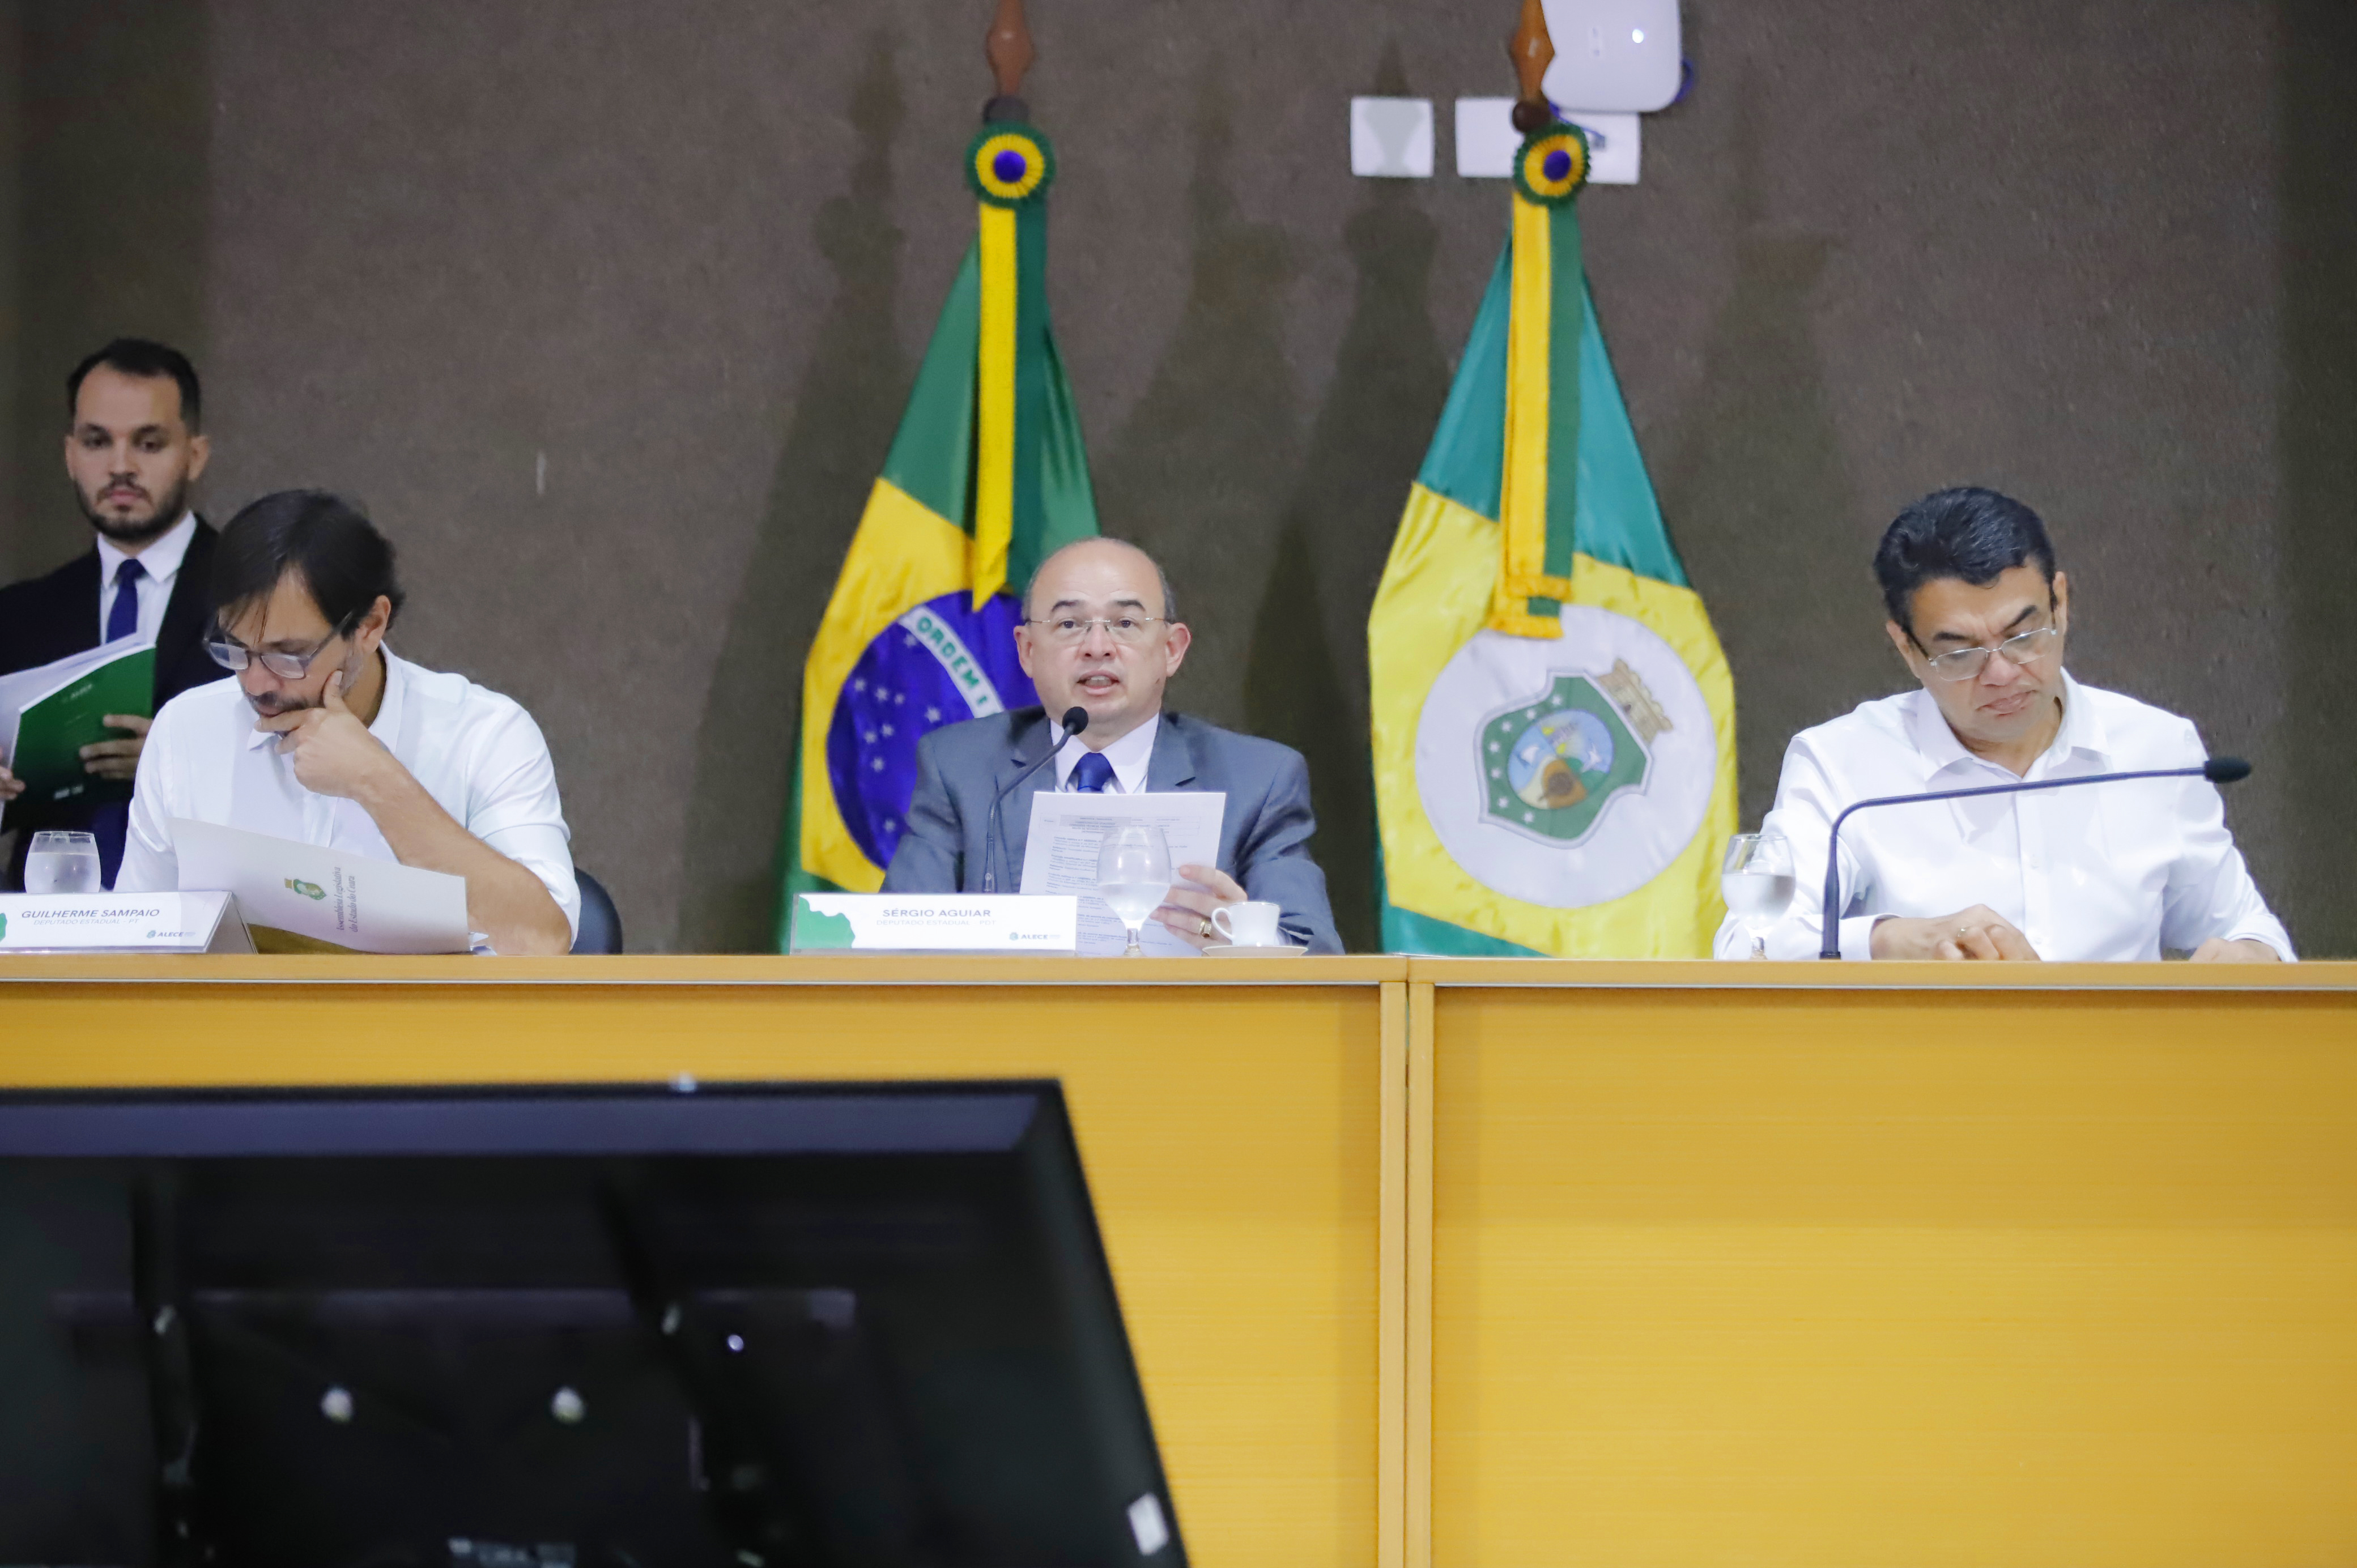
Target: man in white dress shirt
{"points": [[326, 736], [2104, 871]]}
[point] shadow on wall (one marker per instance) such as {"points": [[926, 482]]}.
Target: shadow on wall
{"points": [[1196, 476], [117, 134], [1391, 379], [1755, 461], [2319, 247], [845, 414]]}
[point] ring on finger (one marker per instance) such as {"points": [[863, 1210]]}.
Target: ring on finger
{"points": [[1205, 930]]}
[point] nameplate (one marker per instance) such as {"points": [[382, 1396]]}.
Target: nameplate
{"points": [[933, 922], [120, 923]]}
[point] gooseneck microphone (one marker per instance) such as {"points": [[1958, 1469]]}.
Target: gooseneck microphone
{"points": [[1075, 720], [2218, 770]]}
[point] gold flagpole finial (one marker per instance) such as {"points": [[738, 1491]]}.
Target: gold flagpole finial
{"points": [[1009, 49], [1531, 50]]}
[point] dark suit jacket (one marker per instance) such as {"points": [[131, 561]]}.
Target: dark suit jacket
{"points": [[45, 619], [1263, 831]]}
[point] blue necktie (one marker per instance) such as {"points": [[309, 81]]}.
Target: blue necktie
{"points": [[124, 618], [1092, 773], [110, 820]]}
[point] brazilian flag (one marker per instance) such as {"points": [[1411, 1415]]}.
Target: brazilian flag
{"points": [[986, 477], [1554, 723]]}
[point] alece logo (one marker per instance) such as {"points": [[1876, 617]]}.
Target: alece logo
{"points": [[1570, 771], [1554, 762], [310, 890]]}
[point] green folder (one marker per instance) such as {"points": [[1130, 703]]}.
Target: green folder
{"points": [[52, 729]]}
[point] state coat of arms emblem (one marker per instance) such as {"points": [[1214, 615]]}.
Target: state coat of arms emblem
{"points": [[1552, 765], [1567, 772]]}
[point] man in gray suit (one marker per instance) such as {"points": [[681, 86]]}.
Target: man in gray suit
{"points": [[1099, 633]]}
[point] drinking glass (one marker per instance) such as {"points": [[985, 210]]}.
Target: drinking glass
{"points": [[1134, 876], [1756, 882], [63, 863]]}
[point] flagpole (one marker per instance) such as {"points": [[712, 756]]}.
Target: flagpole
{"points": [[1531, 50], [1007, 48]]}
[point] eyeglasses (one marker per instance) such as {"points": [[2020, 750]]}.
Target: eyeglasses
{"points": [[1127, 631], [232, 655], [1967, 663]]}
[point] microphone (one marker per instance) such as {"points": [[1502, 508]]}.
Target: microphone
{"points": [[2217, 769], [1075, 720]]}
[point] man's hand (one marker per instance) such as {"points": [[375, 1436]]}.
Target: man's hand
{"points": [[334, 753], [2242, 950], [116, 758], [10, 785], [1188, 913], [1977, 933]]}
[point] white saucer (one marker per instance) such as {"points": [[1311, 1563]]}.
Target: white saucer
{"points": [[1280, 949]]}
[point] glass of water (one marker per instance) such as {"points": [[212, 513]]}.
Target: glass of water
{"points": [[63, 863], [1756, 882], [1134, 876]]}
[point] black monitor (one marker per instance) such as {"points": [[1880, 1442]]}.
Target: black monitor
{"points": [[747, 1326]]}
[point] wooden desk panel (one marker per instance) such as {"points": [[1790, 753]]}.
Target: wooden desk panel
{"points": [[1231, 1125], [1771, 1272]]}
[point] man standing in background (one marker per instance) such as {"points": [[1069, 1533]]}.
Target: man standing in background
{"points": [[134, 449]]}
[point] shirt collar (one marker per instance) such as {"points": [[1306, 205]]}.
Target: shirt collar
{"points": [[387, 723], [2081, 731], [161, 561], [1129, 756]]}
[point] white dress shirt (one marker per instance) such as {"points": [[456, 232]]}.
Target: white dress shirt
{"points": [[1129, 757], [476, 753], [2106, 871], [161, 564]]}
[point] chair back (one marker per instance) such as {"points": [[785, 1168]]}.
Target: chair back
{"points": [[601, 923]]}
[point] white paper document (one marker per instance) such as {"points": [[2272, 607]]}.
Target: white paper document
{"points": [[327, 898], [1067, 831]]}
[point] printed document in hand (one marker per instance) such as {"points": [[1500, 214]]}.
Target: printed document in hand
{"points": [[49, 713], [301, 897], [1067, 831]]}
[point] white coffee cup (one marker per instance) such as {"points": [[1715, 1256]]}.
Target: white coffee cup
{"points": [[1248, 925]]}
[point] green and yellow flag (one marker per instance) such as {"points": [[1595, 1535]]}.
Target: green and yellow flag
{"points": [[986, 476], [1553, 721]]}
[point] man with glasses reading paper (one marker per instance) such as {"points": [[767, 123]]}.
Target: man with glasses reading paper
{"points": [[326, 738], [2121, 870], [1100, 634]]}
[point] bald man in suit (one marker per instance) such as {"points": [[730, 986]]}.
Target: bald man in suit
{"points": [[1099, 633]]}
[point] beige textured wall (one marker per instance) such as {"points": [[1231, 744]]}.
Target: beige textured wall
{"points": [[607, 308]]}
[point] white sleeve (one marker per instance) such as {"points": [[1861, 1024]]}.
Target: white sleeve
{"points": [[1806, 802], [512, 806], [2209, 892], [150, 863]]}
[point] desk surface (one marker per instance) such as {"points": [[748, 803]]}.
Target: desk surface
{"points": [[1369, 970]]}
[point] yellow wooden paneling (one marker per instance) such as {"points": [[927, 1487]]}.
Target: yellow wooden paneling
{"points": [[1972, 1276], [1232, 1132]]}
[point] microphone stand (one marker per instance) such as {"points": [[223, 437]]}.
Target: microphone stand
{"points": [[2217, 769], [1075, 720]]}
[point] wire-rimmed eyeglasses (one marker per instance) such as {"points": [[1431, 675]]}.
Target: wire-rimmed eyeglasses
{"points": [[1967, 663], [1068, 630], [231, 654]]}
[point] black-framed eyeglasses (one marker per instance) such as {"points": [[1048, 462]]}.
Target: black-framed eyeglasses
{"points": [[1967, 663], [232, 654]]}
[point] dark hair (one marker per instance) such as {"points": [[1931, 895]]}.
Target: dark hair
{"points": [[1967, 533], [343, 559], [149, 361]]}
